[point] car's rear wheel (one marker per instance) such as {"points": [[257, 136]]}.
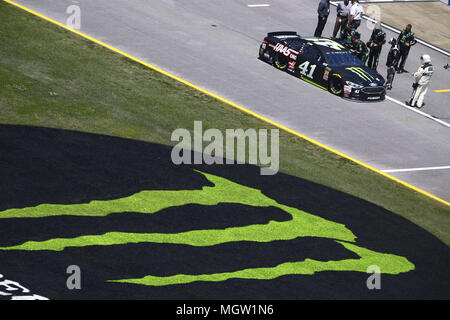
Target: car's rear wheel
{"points": [[280, 62], [261, 52], [335, 85]]}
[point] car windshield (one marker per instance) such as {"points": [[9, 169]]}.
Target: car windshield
{"points": [[342, 58]]}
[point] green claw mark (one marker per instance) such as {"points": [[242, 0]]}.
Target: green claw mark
{"points": [[361, 72], [224, 191], [302, 224], [391, 264]]}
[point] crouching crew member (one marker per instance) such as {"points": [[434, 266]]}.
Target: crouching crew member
{"points": [[358, 47]]}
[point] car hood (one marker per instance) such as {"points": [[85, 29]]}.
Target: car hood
{"points": [[361, 75]]}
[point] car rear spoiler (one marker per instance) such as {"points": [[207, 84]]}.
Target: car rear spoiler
{"points": [[282, 33]]}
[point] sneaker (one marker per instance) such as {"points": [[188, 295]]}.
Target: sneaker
{"points": [[408, 103]]}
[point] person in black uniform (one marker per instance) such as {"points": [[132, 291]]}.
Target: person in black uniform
{"points": [[377, 39], [405, 41], [346, 35], [323, 12], [358, 47], [391, 63]]}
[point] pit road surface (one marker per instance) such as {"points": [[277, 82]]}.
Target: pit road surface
{"points": [[214, 45]]}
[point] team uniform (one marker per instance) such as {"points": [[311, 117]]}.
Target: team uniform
{"points": [[391, 63], [377, 39], [346, 35], [422, 78], [404, 38], [360, 50]]}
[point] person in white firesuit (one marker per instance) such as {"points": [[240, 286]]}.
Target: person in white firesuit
{"points": [[422, 79]]}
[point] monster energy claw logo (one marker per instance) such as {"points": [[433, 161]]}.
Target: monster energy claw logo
{"points": [[327, 43], [361, 73], [301, 224]]}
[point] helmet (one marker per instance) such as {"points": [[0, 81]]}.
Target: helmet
{"points": [[356, 35], [425, 58], [348, 29], [393, 41]]}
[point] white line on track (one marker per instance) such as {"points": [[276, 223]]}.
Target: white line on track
{"points": [[258, 5], [416, 169], [429, 116]]}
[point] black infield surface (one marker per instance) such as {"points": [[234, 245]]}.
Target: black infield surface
{"points": [[50, 166]]}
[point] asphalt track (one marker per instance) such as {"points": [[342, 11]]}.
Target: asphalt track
{"points": [[65, 168], [214, 45]]}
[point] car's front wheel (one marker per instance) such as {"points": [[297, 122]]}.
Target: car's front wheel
{"points": [[335, 85]]}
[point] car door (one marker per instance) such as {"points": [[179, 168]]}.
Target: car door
{"points": [[311, 64]]}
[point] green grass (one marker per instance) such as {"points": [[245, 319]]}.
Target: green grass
{"points": [[50, 77]]}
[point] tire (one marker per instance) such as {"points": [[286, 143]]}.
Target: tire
{"points": [[280, 62], [335, 86], [261, 52]]}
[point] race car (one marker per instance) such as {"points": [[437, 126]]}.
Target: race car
{"points": [[324, 63]]}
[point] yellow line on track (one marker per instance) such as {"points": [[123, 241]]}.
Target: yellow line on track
{"points": [[230, 103], [443, 90]]}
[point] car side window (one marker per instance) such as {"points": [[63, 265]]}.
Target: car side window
{"points": [[312, 53], [296, 44]]}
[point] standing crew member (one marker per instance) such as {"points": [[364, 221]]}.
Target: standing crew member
{"points": [[323, 11], [422, 79], [391, 63], [358, 47], [343, 11], [405, 40], [356, 13], [375, 44]]}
